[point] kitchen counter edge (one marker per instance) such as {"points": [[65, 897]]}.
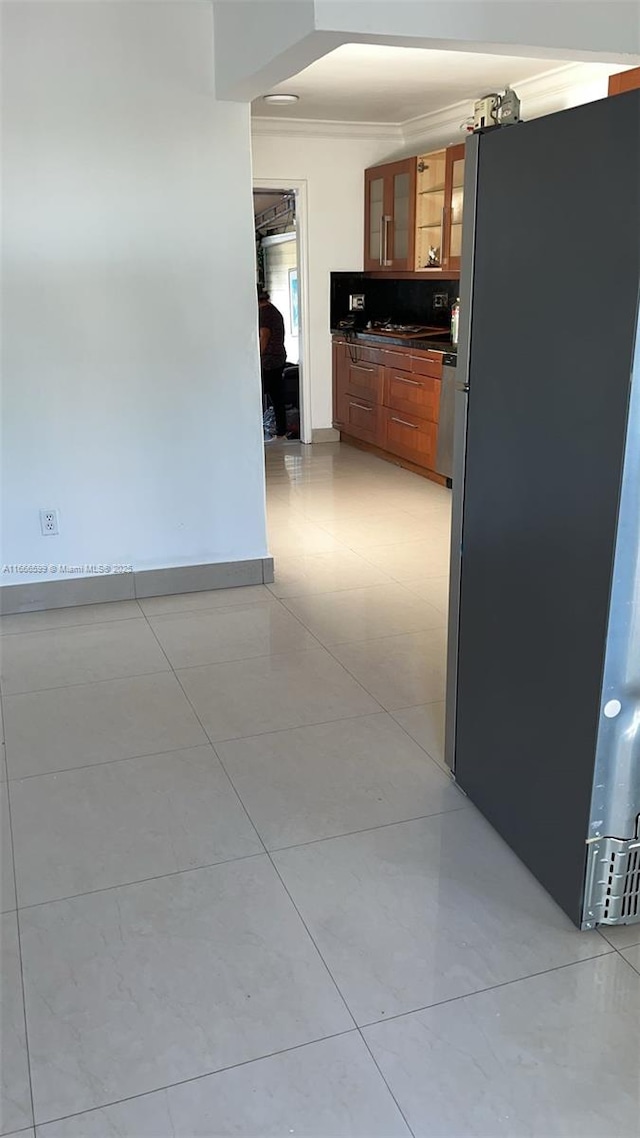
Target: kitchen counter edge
{"points": [[446, 347]]}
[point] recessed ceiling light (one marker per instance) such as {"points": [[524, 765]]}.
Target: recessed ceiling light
{"points": [[280, 99]]}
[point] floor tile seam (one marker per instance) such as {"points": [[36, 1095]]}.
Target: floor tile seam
{"points": [[363, 554], [110, 762], [80, 623], [243, 607], [138, 881], [88, 683], [218, 757], [398, 513], [368, 829], [488, 988], [632, 966], [329, 649], [335, 589], [21, 963], [424, 749], [319, 646], [360, 588], [387, 1084], [293, 903], [379, 710], [196, 1078], [621, 951], [372, 639]]}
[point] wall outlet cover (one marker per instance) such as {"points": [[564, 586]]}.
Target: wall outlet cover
{"points": [[49, 523]]}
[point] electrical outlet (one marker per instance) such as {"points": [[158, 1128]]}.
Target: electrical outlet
{"points": [[356, 302], [440, 300], [49, 522]]}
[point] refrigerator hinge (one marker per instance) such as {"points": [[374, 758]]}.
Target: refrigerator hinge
{"points": [[612, 889]]}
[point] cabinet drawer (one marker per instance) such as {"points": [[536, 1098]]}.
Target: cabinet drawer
{"points": [[361, 418], [430, 363], [364, 380], [417, 395], [399, 360], [410, 437]]}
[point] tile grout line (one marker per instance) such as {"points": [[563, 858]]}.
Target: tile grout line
{"points": [[65, 627], [299, 914], [490, 988], [229, 860], [20, 957], [387, 1085], [192, 1079], [446, 772], [193, 746], [87, 683], [137, 881]]}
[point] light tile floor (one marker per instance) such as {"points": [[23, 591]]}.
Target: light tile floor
{"points": [[247, 898]]}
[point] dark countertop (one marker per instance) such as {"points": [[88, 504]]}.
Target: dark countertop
{"points": [[439, 345]]}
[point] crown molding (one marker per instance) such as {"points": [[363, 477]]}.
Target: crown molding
{"points": [[270, 126], [540, 95]]}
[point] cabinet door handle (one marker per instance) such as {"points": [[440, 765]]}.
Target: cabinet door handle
{"points": [[411, 382], [359, 367], [442, 225], [386, 219], [403, 423], [361, 406], [381, 237]]}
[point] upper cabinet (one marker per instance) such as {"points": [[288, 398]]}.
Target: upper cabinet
{"points": [[413, 213], [453, 202], [390, 203], [624, 81]]}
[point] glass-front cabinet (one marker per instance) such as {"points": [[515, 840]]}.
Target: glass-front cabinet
{"points": [[454, 200], [430, 210], [413, 213], [389, 217]]}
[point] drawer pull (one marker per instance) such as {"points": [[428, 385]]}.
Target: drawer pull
{"points": [[403, 423], [361, 406], [359, 367], [412, 382]]}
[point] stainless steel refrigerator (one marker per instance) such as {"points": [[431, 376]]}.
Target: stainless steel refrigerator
{"points": [[543, 685]]}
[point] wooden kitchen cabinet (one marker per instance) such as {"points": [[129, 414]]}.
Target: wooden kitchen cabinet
{"points": [[624, 81], [410, 437], [389, 212], [453, 203], [414, 207], [389, 399], [412, 394]]}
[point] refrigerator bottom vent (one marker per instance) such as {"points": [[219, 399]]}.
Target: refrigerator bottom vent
{"points": [[613, 882]]}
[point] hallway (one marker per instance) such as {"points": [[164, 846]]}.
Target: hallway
{"points": [[241, 895]]}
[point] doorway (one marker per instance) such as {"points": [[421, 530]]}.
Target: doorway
{"points": [[279, 222]]}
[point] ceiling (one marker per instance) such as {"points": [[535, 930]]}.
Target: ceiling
{"points": [[372, 83]]}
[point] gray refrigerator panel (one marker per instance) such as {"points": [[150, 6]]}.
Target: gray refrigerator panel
{"points": [[549, 363]]}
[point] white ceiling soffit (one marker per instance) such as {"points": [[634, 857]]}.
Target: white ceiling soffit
{"points": [[375, 92]]}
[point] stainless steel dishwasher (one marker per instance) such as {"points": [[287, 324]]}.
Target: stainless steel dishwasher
{"points": [[444, 447]]}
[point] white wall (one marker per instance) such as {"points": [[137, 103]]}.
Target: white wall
{"points": [[334, 172], [131, 393]]}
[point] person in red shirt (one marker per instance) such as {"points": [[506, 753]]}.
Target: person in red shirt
{"points": [[273, 357]]}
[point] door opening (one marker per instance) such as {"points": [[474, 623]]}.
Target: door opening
{"points": [[280, 267]]}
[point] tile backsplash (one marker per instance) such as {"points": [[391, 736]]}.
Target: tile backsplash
{"points": [[400, 301]]}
